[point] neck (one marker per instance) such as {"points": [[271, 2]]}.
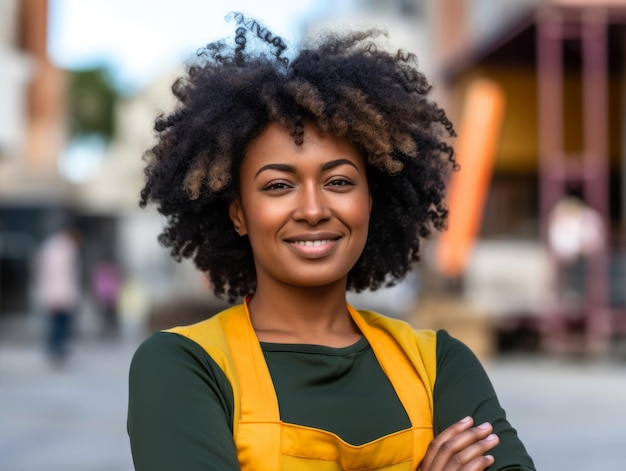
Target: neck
{"points": [[303, 315]]}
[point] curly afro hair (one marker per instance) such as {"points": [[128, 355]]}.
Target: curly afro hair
{"points": [[345, 85]]}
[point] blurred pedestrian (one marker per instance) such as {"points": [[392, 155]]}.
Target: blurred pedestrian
{"points": [[289, 182], [575, 230], [59, 288], [106, 284]]}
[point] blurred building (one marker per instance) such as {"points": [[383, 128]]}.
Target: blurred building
{"points": [[555, 71], [560, 67], [37, 191], [32, 136], [70, 149], [548, 132]]}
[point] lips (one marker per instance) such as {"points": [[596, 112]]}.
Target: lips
{"points": [[313, 245]]}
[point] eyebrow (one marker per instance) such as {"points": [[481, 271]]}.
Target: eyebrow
{"points": [[291, 169]]}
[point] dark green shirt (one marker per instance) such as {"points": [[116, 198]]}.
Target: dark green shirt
{"points": [[180, 413]]}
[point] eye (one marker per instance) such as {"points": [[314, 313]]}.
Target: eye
{"points": [[276, 186], [341, 182]]}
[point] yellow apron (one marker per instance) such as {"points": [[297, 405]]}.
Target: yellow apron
{"points": [[264, 443]]}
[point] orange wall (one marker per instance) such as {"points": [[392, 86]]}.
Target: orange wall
{"points": [[518, 146]]}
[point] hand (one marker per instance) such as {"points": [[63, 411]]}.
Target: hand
{"points": [[461, 447]]}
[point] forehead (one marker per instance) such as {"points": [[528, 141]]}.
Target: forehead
{"points": [[276, 143]]}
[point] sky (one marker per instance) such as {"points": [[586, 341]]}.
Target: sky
{"points": [[140, 40]]}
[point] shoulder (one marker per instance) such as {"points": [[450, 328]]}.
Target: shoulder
{"points": [[168, 361], [428, 340], [456, 364], [165, 350], [419, 345], [202, 346], [210, 335], [203, 343], [208, 329], [439, 351], [178, 398], [425, 339], [452, 350], [382, 321]]}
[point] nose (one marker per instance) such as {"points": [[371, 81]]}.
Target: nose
{"points": [[312, 207]]}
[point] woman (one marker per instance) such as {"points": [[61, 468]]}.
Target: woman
{"points": [[288, 182]]}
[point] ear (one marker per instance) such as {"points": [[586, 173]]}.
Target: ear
{"points": [[238, 218]]}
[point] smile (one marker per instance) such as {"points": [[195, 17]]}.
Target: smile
{"points": [[313, 243], [316, 248]]}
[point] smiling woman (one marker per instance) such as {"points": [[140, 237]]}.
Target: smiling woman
{"points": [[306, 205], [289, 183]]}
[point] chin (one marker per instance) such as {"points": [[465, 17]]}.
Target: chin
{"points": [[317, 280]]}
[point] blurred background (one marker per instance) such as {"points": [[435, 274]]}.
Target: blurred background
{"points": [[531, 274]]}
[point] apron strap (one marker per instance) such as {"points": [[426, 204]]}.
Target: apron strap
{"points": [[396, 347], [258, 432]]}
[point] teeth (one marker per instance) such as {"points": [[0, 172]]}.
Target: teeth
{"points": [[313, 243]]}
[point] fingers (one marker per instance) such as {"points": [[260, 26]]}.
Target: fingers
{"points": [[468, 453], [461, 447], [453, 430]]}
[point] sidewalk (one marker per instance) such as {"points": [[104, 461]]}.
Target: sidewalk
{"points": [[65, 419], [571, 416]]}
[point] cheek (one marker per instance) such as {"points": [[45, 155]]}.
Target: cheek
{"points": [[356, 215], [362, 209], [262, 216], [361, 219]]}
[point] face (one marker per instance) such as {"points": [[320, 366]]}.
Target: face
{"points": [[305, 208]]}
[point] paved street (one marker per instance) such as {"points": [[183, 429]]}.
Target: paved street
{"points": [[571, 416], [69, 419]]}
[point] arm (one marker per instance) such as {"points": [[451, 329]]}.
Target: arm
{"points": [[180, 408], [462, 389]]}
